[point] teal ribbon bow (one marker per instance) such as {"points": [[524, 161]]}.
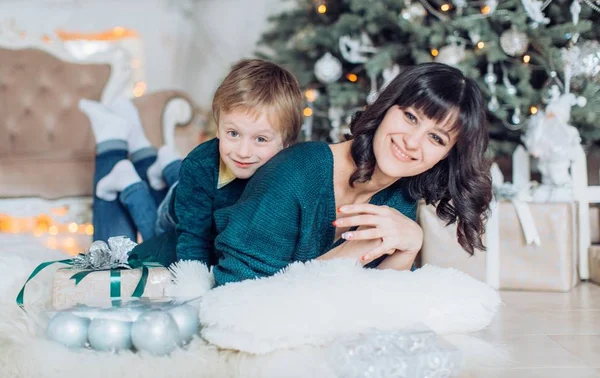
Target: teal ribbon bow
{"points": [[115, 277]]}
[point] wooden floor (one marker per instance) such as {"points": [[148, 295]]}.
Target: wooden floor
{"points": [[547, 335]]}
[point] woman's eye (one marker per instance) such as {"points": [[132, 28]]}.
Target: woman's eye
{"points": [[410, 117], [438, 139]]}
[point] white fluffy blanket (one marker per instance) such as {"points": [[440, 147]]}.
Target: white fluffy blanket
{"points": [[291, 319], [317, 302]]}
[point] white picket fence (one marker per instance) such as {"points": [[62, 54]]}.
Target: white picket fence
{"points": [[583, 195]]}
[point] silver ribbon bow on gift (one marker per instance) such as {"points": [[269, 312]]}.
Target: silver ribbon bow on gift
{"points": [[102, 256]]}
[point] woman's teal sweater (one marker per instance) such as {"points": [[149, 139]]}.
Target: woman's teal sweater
{"points": [[285, 214]]}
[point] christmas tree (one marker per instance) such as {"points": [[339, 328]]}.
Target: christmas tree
{"points": [[345, 51]]}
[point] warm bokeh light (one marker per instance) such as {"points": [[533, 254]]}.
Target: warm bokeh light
{"points": [[73, 227], [89, 229], [115, 33], [139, 89], [311, 94], [119, 31]]}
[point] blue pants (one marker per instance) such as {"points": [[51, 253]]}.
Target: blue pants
{"points": [[136, 207]]}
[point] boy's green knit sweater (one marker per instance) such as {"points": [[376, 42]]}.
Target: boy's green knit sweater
{"points": [[285, 214], [196, 198]]}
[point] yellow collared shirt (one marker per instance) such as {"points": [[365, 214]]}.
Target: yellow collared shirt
{"points": [[225, 175]]}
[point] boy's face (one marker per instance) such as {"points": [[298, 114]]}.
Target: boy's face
{"points": [[247, 142]]}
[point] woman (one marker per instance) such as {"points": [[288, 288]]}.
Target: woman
{"points": [[423, 138]]}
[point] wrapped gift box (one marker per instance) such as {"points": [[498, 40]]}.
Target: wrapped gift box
{"points": [[94, 289], [510, 262]]}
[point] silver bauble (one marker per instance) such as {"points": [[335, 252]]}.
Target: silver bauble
{"points": [[514, 42], [451, 54], [69, 330], [188, 322], [493, 105], [109, 335], [155, 332], [328, 69], [414, 13], [516, 117], [490, 78]]}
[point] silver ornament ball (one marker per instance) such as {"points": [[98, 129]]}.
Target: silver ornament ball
{"points": [[328, 69], [109, 335], [514, 42], [493, 105], [451, 54], [490, 78], [155, 332], [187, 320], [414, 13], [69, 330], [516, 117]]}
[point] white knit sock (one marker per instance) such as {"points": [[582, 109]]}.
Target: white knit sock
{"points": [[155, 178], [166, 155], [105, 124], [120, 177], [137, 138]]}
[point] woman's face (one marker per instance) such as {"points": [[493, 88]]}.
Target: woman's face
{"points": [[407, 143]]}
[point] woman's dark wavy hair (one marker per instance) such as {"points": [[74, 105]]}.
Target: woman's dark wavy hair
{"points": [[460, 184]]}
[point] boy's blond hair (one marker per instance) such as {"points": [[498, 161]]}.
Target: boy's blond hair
{"points": [[258, 86]]}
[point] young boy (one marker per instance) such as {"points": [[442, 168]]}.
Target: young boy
{"points": [[258, 113]]}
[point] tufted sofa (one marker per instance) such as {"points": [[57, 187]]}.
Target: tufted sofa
{"points": [[46, 142]]}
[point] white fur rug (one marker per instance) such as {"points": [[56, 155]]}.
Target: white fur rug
{"points": [[304, 309], [317, 302]]}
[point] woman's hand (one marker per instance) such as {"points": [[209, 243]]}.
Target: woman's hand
{"points": [[394, 230]]}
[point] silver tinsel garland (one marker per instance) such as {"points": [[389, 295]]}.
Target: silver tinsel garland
{"points": [[408, 353]]}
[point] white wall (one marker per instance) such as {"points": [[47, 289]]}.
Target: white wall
{"points": [[225, 31]]}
